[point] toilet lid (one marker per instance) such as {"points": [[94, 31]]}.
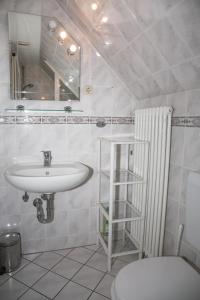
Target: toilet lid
{"points": [[161, 278]]}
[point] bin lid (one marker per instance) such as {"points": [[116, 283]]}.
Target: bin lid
{"points": [[9, 239]]}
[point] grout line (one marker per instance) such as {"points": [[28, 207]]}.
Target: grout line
{"points": [[85, 264], [48, 270], [20, 268], [29, 288], [33, 291], [70, 280], [93, 252]]}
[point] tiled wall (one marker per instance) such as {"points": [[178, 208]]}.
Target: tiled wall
{"points": [[23, 136], [185, 151]]}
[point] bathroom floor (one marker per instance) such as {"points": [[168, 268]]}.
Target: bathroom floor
{"points": [[70, 274]]}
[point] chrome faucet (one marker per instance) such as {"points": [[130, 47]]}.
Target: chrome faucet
{"points": [[47, 158]]}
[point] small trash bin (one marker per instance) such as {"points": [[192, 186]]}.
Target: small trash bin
{"points": [[10, 252]]}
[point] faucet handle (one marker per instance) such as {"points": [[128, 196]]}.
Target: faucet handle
{"points": [[46, 153]]}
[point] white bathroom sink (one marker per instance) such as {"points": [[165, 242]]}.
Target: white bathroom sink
{"points": [[59, 177]]}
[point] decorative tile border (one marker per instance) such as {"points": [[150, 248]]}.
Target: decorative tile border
{"points": [[122, 120], [77, 120], [186, 121], [53, 120], [28, 120], [64, 120], [176, 121], [7, 119], [106, 120]]}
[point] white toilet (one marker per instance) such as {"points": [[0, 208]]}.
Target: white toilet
{"points": [[165, 278]]}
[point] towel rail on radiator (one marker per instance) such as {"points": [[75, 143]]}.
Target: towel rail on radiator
{"points": [[154, 125]]}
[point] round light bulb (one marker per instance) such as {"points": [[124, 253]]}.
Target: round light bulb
{"points": [[63, 35], [73, 48], [94, 6], [52, 25], [104, 19], [107, 43], [71, 78]]}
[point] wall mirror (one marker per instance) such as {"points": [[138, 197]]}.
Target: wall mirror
{"points": [[44, 59]]}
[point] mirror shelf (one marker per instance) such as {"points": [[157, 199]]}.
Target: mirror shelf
{"points": [[65, 109]]}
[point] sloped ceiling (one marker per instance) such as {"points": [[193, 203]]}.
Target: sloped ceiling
{"points": [[153, 45]]}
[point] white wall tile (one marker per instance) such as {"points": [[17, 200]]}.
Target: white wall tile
{"points": [[185, 19], [188, 74], [192, 148], [168, 42]]}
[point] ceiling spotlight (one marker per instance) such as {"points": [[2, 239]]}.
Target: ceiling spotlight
{"points": [[52, 25], [71, 78], [72, 49], [63, 35], [107, 43], [98, 54], [104, 19], [94, 6]]}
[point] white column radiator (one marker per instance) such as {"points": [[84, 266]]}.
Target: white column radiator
{"points": [[154, 125]]}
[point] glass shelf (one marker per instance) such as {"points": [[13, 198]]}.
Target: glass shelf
{"points": [[123, 139], [42, 110], [123, 177], [120, 246], [119, 209]]}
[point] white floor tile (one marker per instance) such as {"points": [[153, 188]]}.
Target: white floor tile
{"points": [[32, 295], [129, 258], [63, 252], [104, 286], [92, 247], [73, 291], [48, 259], [117, 266], [24, 262], [98, 261], [3, 278], [88, 277], [96, 296], [67, 268], [30, 274], [80, 254], [12, 289], [50, 284], [31, 257], [101, 250]]}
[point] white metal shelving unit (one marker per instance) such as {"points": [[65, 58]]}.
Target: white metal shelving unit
{"points": [[121, 215]]}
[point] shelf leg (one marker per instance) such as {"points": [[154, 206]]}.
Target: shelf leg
{"points": [[109, 263], [112, 198], [125, 194], [99, 191]]}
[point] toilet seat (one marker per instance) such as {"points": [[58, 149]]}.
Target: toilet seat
{"points": [[160, 278]]}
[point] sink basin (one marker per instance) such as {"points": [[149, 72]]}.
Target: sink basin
{"points": [[36, 178]]}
